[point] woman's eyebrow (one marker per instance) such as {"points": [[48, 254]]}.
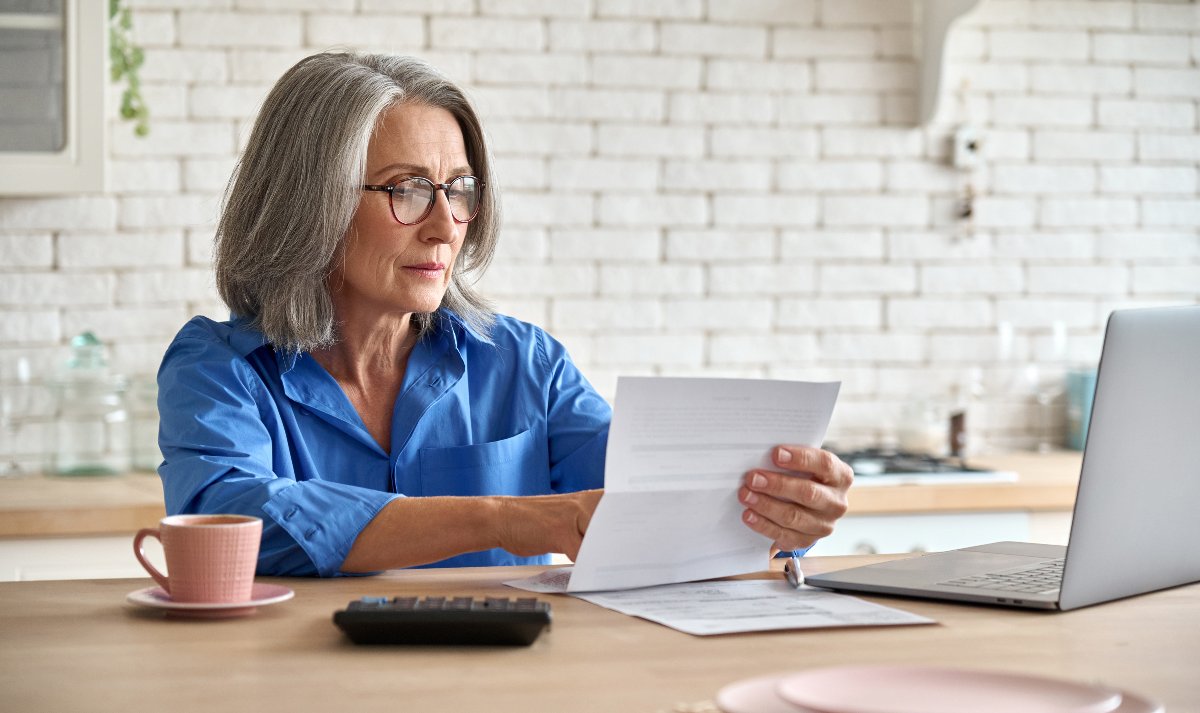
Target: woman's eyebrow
{"points": [[419, 170]]}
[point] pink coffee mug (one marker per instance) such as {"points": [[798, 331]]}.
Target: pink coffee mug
{"points": [[210, 558]]}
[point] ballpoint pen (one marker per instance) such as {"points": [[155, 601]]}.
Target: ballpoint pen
{"points": [[795, 576]]}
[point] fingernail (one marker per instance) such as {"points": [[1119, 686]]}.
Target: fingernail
{"points": [[783, 455], [751, 497], [759, 480], [751, 517]]}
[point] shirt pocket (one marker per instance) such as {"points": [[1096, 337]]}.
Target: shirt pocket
{"points": [[518, 465]]}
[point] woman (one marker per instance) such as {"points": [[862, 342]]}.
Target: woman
{"points": [[363, 400]]}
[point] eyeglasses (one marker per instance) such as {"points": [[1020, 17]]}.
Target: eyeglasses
{"points": [[412, 199]]}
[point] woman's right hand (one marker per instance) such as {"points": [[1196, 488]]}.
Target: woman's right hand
{"points": [[537, 524]]}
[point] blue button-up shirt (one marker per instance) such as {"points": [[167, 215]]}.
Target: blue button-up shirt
{"points": [[248, 429]]}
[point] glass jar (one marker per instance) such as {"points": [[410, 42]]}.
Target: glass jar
{"points": [[143, 411], [91, 434]]}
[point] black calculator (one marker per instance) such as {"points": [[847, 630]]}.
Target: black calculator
{"points": [[444, 621]]}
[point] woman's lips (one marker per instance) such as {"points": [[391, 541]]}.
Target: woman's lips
{"points": [[428, 270]]}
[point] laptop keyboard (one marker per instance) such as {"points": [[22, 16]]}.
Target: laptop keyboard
{"points": [[1038, 579]]}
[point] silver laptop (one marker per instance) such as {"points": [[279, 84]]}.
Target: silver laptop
{"points": [[1135, 527]]}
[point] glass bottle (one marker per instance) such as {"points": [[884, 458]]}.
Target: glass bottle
{"points": [[143, 413], [92, 426]]}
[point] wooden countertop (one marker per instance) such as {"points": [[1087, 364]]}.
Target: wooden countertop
{"points": [[48, 506], [77, 645]]}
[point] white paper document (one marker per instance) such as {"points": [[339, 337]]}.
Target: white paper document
{"points": [[677, 451], [705, 608]]}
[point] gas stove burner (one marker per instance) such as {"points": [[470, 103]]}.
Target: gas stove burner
{"points": [[888, 466]]}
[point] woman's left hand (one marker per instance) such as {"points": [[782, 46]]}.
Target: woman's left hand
{"points": [[798, 507]]}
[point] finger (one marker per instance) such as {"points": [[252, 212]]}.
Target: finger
{"points": [[798, 490], [789, 516], [782, 538], [823, 465]]}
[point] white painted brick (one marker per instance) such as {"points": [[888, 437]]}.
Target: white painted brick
{"points": [[986, 278], [1141, 49], [651, 280], [536, 8], [1082, 14], [1078, 280], [543, 69], [739, 109], [239, 29], [927, 313], [520, 173], [936, 247], [823, 43], [125, 323], [619, 105], [199, 247], [378, 32], [769, 280], [1178, 148], [161, 249], [768, 12], [666, 9], [47, 289], [646, 72], [528, 281], [524, 245], [763, 348], [908, 176], [875, 142], [1147, 245], [523, 138], [602, 36], [831, 109], [989, 76], [609, 246], [1080, 79], [872, 210], [869, 75], [165, 101], [713, 40], [962, 44], [1166, 279], [758, 75], [719, 314], [1082, 145], [864, 12], [764, 211], [1147, 179], [510, 102], [644, 210], [763, 142], [831, 176], [226, 102], [153, 29], [175, 138], [486, 34], [603, 315], [419, 7], [169, 211], [1005, 144], [821, 313], [595, 174], [826, 244], [664, 350], [143, 176], [872, 347], [262, 66], [992, 212], [537, 209], [1041, 111], [170, 64], [713, 175], [867, 279], [1038, 45], [999, 13], [1175, 212], [1099, 212], [1168, 17], [72, 213], [1040, 179], [30, 327], [1045, 247], [724, 245], [207, 175], [535, 311], [1145, 114], [1154, 82], [649, 140], [26, 250]]}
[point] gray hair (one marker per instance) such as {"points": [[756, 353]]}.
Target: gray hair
{"points": [[297, 185]]}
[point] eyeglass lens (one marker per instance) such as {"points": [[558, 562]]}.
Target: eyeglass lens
{"points": [[413, 199]]}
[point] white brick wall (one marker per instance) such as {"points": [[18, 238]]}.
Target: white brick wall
{"points": [[695, 186]]}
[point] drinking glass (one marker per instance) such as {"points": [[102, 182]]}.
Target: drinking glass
{"points": [[15, 401], [1045, 382]]}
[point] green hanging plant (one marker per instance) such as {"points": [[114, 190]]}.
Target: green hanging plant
{"points": [[126, 59]]}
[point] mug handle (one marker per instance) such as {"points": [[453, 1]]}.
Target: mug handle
{"points": [[141, 556]]}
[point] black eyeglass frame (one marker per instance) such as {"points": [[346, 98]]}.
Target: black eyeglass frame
{"points": [[390, 189]]}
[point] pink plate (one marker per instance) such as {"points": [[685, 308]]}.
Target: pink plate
{"points": [[756, 695], [929, 689], [261, 595]]}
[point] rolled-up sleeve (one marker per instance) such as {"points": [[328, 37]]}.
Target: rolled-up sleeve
{"points": [[225, 450]]}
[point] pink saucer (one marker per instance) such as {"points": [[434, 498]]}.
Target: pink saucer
{"points": [[261, 595]]}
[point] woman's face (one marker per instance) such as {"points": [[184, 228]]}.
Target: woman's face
{"points": [[389, 266]]}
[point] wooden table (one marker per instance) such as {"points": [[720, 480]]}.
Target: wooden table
{"points": [[77, 646]]}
